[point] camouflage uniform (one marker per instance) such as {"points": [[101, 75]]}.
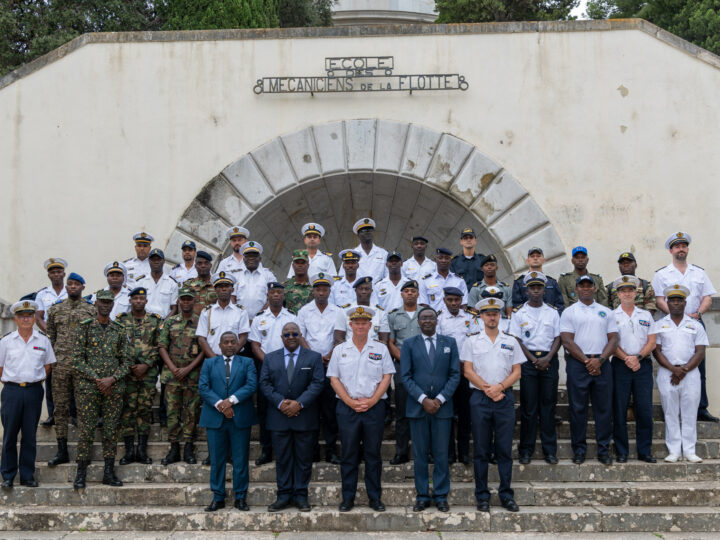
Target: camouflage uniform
{"points": [[645, 297], [566, 283], [62, 321], [140, 392], [205, 294], [99, 352], [297, 295], [177, 337]]}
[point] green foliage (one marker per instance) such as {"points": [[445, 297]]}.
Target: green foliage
{"points": [[457, 11], [219, 14], [299, 13]]}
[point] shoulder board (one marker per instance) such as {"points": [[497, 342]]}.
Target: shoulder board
{"points": [[128, 260], [550, 305], [472, 311], [260, 312], [7, 334], [565, 274], [439, 311], [88, 300], [476, 284], [662, 267], [156, 316], [504, 284], [504, 332], [393, 310], [175, 280], [139, 277], [473, 333], [378, 341], [345, 306], [379, 307], [328, 253], [43, 289], [123, 315], [42, 333], [337, 278], [207, 308], [176, 266], [87, 321], [427, 276], [696, 266]]}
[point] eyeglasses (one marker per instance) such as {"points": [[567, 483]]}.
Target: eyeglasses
{"points": [[290, 334]]}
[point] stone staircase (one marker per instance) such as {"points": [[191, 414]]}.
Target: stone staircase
{"points": [[581, 499]]}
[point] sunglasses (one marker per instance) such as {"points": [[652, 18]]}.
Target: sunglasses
{"points": [[290, 334]]}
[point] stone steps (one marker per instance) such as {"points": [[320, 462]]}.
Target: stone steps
{"points": [[578, 519]]}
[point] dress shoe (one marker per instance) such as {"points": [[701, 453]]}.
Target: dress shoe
{"points": [[346, 505], [264, 458], [420, 506], [578, 458], [483, 506], [442, 506], [606, 459], [215, 506], [622, 458], [647, 459], [510, 505], [464, 459], [492, 459], [302, 504], [7, 484], [316, 455], [29, 483], [377, 505], [672, 458], [399, 459], [49, 422], [206, 461], [693, 458], [707, 417], [279, 504], [552, 460], [524, 459], [240, 504]]}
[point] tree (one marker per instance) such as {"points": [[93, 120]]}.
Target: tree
{"points": [[219, 14], [299, 13], [456, 11]]}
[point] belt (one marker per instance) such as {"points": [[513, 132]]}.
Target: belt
{"points": [[24, 384], [539, 353]]}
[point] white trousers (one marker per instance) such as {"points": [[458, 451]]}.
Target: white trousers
{"points": [[680, 404]]}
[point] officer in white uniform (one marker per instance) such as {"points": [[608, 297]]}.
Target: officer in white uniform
{"points": [[139, 266], [493, 291], [536, 325], [372, 257], [162, 290], [116, 273], [387, 290], [432, 285], [360, 370], [319, 262], [233, 263], [316, 321], [681, 343], [220, 317], [588, 332], [53, 294], [251, 285], [26, 356], [459, 323], [186, 269], [380, 330], [343, 292], [491, 362], [698, 301], [418, 265]]}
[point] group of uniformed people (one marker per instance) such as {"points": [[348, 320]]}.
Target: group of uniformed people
{"points": [[326, 347]]}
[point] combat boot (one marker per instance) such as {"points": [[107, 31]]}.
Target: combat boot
{"points": [[173, 455], [79, 482], [109, 477], [129, 456], [189, 453], [62, 454], [141, 456]]}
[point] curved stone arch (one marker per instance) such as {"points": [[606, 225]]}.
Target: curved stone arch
{"points": [[375, 149]]}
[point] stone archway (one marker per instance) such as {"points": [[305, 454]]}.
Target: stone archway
{"points": [[408, 178]]}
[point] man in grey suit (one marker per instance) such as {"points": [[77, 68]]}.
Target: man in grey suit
{"points": [[430, 372], [292, 379]]}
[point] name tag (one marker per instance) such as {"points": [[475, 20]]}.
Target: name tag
{"points": [[446, 349], [507, 347], [40, 349], [375, 356], [303, 368], [644, 323]]}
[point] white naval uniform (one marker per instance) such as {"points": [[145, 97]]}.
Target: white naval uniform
{"points": [[181, 274], [431, 289], [411, 269], [343, 294], [371, 264], [25, 362], [535, 327], [161, 295], [319, 263], [230, 265], [460, 326], [215, 321], [388, 294], [680, 402], [633, 330], [136, 269], [360, 372], [379, 322], [47, 297], [318, 328], [251, 289], [266, 329], [122, 301], [590, 324], [694, 278], [493, 362]]}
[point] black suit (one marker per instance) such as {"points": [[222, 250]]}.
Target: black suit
{"points": [[293, 438]]}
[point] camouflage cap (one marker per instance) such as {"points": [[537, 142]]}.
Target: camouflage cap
{"points": [[186, 291], [300, 255], [104, 294]]}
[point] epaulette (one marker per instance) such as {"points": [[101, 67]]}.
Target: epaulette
{"points": [[472, 311], [507, 334], [337, 278], [379, 307], [128, 260], [505, 284], [393, 310], [139, 278], [156, 316], [378, 341], [426, 276], [664, 267], [476, 284], [345, 306], [696, 266], [42, 333], [439, 311], [7, 334], [260, 312], [175, 280], [88, 299], [328, 253], [176, 266], [550, 305], [565, 274], [474, 333], [208, 307], [87, 321]]}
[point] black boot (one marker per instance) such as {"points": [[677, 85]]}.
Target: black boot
{"points": [[80, 475], [109, 477], [129, 456], [206, 461], [173, 455], [189, 454], [62, 454], [141, 456]]}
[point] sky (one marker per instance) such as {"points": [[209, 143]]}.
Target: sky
{"points": [[580, 10]]}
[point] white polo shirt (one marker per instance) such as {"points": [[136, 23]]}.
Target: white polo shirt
{"points": [[590, 324]]}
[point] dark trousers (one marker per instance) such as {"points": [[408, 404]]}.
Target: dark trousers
{"points": [[581, 387], [356, 428], [492, 419], [239, 442], [640, 384], [431, 434], [293, 462], [328, 418], [402, 427], [460, 429], [51, 403], [262, 406], [702, 408], [20, 409], [538, 399]]}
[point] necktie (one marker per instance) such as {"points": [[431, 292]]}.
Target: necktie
{"points": [[431, 352], [290, 367], [227, 367]]}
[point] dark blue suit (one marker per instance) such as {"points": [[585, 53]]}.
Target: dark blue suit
{"points": [[293, 438], [213, 387], [421, 375]]}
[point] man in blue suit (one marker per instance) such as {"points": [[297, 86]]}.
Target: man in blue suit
{"points": [[292, 379], [430, 372], [227, 384]]}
